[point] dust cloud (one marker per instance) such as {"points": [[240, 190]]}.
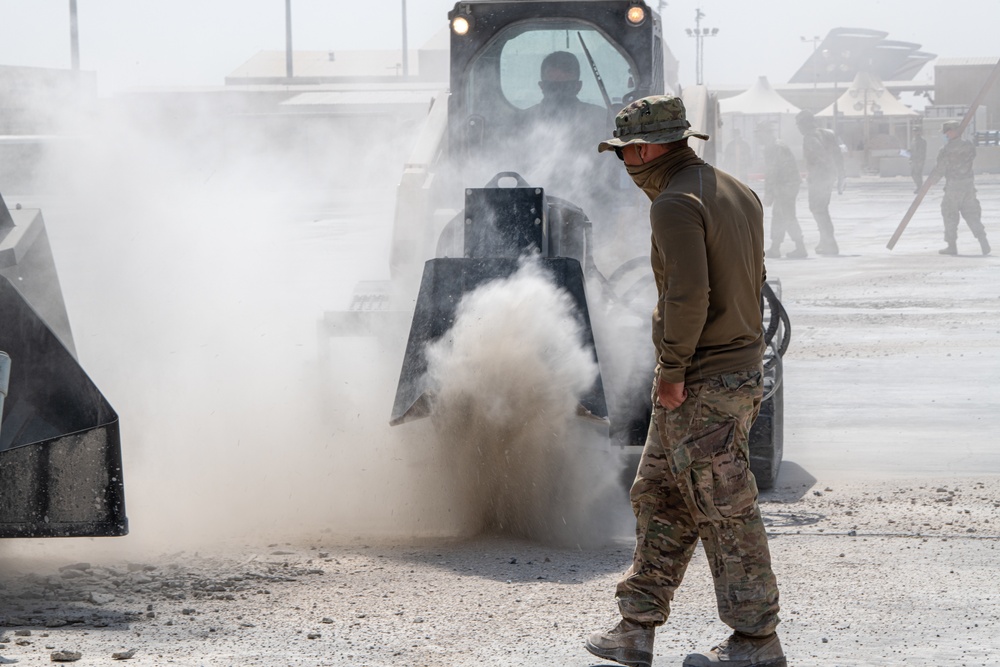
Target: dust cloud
{"points": [[194, 249], [509, 376], [190, 242]]}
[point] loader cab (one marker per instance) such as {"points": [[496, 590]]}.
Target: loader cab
{"points": [[502, 113]]}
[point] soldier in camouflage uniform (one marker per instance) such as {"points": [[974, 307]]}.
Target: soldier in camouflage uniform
{"points": [[954, 162], [824, 169], [694, 480], [781, 187]]}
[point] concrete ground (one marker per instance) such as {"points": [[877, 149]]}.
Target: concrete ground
{"points": [[898, 572]]}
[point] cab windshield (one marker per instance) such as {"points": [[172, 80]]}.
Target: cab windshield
{"points": [[508, 71]]}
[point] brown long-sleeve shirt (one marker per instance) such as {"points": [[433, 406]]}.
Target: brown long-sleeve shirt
{"points": [[708, 262]]}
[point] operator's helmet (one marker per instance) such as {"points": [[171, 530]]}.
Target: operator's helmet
{"points": [[950, 126], [658, 119]]}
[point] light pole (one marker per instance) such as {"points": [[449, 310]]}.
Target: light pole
{"points": [[836, 63], [74, 38], [816, 39], [406, 62], [866, 105], [288, 38], [700, 34]]}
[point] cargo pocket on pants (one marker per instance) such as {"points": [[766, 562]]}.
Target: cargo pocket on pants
{"points": [[735, 490], [719, 477]]}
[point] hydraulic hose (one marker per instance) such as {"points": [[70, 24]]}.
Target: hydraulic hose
{"points": [[778, 320]]}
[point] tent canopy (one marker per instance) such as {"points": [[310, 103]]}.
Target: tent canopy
{"points": [[846, 51], [866, 96], [760, 98]]}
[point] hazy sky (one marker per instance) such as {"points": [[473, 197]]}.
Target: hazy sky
{"points": [[198, 42]]}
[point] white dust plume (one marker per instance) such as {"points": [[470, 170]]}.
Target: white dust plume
{"points": [[509, 376]]}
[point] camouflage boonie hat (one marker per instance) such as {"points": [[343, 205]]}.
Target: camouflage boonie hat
{"points": [[951, 125], [659, 119]]}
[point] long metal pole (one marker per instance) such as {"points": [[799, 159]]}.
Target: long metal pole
{"points": [[936, 173], [74, 38], [406, 53], [288, 39]]}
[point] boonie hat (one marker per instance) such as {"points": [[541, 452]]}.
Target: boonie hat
{"points": [[951, 125], [658, 119]]}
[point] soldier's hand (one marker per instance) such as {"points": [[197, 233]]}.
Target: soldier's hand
{"points": [[670, 394]]}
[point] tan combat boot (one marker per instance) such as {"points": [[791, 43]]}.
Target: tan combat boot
{"points": [[950, 249], [628, 643], [984, 244], [741, 651]]}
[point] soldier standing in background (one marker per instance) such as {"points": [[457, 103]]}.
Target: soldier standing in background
{"points": [[954, 162], [825, 167], [738, 157], [918, 155], [781, 187]]}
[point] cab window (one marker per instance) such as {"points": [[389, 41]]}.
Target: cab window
{"points": [[505, 77]]}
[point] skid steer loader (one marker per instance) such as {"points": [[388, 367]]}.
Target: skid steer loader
{"points": [[497, 174], [60, 451]]}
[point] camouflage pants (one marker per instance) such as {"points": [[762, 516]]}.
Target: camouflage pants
{"points": [[694, 481], [917, 173], [960, 199], [783, 218], [819, 206]]}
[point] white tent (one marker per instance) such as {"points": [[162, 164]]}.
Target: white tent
{"points": [[866, 96], [743, 113], [759, 99], [873, 124]]}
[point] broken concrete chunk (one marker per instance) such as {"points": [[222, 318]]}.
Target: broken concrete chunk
{"points": [[66, 656]]}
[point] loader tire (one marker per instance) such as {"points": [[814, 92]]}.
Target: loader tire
{"points": [[767, 440]]}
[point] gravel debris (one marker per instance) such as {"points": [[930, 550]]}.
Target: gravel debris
{"points": [[65, 656]]}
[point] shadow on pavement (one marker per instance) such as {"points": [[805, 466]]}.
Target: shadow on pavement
{"points": [[793, 482]]}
